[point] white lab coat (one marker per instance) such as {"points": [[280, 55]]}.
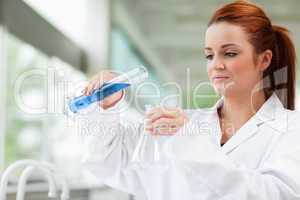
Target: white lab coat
{"points": [[260, 162]]}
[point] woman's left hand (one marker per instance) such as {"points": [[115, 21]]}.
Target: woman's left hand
{"points": [[164, 120]]}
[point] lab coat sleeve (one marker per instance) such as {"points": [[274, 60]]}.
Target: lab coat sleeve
{"points": [[108, 145], [277, 179]]}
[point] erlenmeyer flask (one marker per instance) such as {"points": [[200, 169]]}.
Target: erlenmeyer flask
{"points": [[147, 153]]}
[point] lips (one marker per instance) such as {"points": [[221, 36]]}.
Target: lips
{"points": [[220, 77]]}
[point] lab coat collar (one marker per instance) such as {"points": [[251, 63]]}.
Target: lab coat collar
{"points": [[271, 112]]}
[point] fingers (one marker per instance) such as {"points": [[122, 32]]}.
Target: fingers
{"points": [[161, 121], [111, 100], [158, 112], [165, 126], [97, 81], [94, 84]]}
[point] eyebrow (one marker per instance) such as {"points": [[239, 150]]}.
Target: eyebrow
{"points": [[223, 46]]}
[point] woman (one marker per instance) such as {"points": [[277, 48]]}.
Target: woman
{"points": [[249, 148]]}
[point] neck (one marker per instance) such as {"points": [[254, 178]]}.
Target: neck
{"points": [[239, 109]]}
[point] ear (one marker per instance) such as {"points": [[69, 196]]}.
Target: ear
{"points": [[265, 59]]}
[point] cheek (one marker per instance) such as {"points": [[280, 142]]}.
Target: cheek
{"points": [[243, 72], [209, 70], [237, 68]]}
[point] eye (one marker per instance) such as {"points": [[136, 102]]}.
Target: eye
{"points": [[230, 54], [209, 57]]}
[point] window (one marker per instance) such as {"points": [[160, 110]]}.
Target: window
{"points": [[125, 56], [23, 138], [32, 127]]}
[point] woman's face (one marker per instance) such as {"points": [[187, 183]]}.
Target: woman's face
{"points": [[230, 60]]}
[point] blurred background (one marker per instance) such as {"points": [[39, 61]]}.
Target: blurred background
{"points": [[46, 43]]}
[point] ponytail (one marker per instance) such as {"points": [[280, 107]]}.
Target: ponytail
{"points": [[282, 71]]}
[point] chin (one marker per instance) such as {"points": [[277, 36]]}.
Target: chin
{"points": [[220, 88], [220, 91], [225, 91]]}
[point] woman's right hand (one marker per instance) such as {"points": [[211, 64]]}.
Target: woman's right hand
{"points": [[96, 82]]}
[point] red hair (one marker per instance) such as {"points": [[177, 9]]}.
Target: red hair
{"points": [[280, 76]]}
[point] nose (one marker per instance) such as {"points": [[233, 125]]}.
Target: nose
{"points": [[217, 63]]}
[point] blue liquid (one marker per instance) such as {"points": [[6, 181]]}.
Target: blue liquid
{"points": [[83, 101]]}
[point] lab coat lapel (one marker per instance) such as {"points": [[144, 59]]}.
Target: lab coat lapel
{"points": [[244, 133], [265, 114]]}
